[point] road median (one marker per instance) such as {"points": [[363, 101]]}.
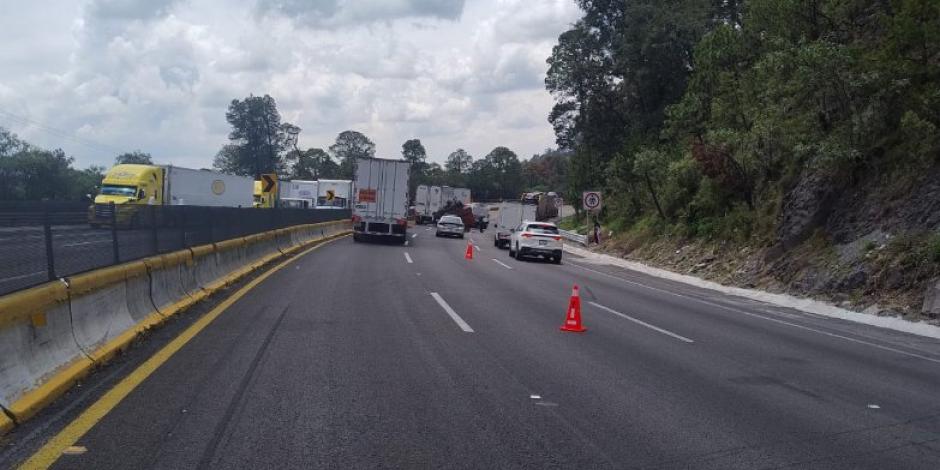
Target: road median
{"points": [[54, 334]]}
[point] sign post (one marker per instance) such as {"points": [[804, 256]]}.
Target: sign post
{"points": [[592, 203]]}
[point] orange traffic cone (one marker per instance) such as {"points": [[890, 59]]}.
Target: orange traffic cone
{"points": [[469, 254], [573, 317]]}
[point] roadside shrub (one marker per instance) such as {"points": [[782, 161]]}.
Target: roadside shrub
{"points": [[933, 248]]}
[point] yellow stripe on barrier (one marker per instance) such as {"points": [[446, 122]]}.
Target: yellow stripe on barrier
{"points": [[96, 279], [6, 424], [23, 304], [38, 398], [202, 250]]}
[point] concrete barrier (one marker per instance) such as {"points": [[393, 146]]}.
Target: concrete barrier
{"points": [[166, 283], [231, 255], [52, 335], [137, 285], [188, 277], [39, 358], [206, 267], [101, 322], [261, 248], [285, 239]]}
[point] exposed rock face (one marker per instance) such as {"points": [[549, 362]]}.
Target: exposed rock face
{"points": [[805, 207], [867, 205]]}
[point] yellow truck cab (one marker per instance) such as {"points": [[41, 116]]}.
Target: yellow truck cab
{"points": [[126, 186], [132, 184], [263, 200]]}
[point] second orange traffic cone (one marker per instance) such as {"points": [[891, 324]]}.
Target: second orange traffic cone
{"points": [[469, 254], [573, 316]]}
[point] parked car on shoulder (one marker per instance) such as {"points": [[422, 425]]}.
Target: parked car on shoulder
{"points": [[450, 225], [536, 239]]}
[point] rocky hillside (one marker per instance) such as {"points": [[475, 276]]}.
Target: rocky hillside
{"points": [[867, 243]]}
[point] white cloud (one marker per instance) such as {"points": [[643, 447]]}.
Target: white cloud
{"points": [[159, 75], [344, 13]]}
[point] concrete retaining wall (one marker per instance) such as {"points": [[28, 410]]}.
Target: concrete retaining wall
{"points": [[52, 335]]}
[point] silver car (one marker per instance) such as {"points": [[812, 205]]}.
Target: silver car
{"points": [[450, 225]]}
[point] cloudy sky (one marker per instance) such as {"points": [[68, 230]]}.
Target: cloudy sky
{"points": [[97, 77]]}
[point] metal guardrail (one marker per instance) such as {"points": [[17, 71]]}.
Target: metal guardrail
{"points": [[571, 236]]}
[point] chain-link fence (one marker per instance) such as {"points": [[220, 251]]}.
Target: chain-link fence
{"points": [[42, 241]]}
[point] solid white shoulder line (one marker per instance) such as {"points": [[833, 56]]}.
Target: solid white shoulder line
{"points": [[783, 300]]}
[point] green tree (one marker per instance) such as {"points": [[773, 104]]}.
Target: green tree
{"points": [[31, 173], [312, 164], [258, 139], [547, 171], [505, 170], [137, 157], [413, 152], [458, 162], [349, 146]]}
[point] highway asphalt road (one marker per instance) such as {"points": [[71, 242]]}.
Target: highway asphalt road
{"points": [[367, 355]]}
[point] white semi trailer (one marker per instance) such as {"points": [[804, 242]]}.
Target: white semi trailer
{"points": [[381, 199]]}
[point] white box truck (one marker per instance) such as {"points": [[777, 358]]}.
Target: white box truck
{"points": [[447, 194], [508, 217], [462, 195], [207, 188], [434, 201], [298, 189], [333, 194], [381, 199], [422, 208]]}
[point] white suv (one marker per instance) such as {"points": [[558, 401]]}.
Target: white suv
{"points": [[536, 239]]}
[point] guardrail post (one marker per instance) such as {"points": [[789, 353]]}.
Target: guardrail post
{"points": [[114, 237], [154, 243], [47, 233]]}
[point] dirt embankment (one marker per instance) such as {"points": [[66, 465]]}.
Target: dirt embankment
{"points": [[866, 243]]}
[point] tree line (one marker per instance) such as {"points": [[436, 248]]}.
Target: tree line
{"points": [[260, 142], [31, 173], [699, 115]]}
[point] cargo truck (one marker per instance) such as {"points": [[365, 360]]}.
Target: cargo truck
{"points": [[262, 199], [447, 195], [333, 194], [127, 186], [509, 216], [435, 201], [298, 189], [422, 204], [380, 207], [462, 195]]}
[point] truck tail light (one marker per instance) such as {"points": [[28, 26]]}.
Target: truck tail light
{"points": [[356, 219], [401, 221]]}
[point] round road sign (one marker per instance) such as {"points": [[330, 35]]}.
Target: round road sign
{"points": [[592, 200]]}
